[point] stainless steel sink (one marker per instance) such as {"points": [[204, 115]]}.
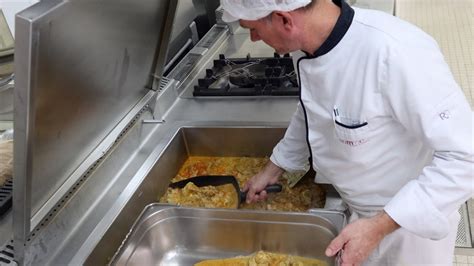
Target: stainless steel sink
{"points": [[170, 235]]}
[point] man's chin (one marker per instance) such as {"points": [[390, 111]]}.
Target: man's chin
{"points": [[283, 52]]}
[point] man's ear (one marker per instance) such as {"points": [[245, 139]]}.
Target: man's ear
{"points": [[283, 18]]}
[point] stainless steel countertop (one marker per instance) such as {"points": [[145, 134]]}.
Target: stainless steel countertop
{"points": [[251, 110]]}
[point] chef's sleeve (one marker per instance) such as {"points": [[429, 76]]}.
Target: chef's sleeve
{"points": [[420, 92], [292, 152]]}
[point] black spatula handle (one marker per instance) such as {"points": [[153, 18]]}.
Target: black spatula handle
{"points": [[275, 188]]}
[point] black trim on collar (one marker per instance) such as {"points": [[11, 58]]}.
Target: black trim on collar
{"points": [[342, 26]]}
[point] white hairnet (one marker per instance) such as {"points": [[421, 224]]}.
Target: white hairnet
{"points": [[257, 9]]}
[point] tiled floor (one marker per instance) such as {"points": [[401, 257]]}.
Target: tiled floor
{"points": [[464, 257], [451, 23], [462, 260]]}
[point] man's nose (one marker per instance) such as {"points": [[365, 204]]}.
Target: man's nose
{"points": [[254, 37]]}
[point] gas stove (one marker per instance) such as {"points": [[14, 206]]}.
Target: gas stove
{"points": [[260, 76]]}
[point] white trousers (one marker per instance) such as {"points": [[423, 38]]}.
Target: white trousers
{"points": [[404, 248]]}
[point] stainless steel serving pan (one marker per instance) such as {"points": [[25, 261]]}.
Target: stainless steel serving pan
{"points": [[171, 235]]}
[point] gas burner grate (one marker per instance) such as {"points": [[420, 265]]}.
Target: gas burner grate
{"points": [[7, 254], [6, 196], [272, 76]]}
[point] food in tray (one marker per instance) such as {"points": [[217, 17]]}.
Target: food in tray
{"points": [[223, 196], [294, 177], [306, 194], [263, 258], [6, 161]]}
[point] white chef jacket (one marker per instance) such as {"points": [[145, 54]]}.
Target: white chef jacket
{"points": [[385, 123]]}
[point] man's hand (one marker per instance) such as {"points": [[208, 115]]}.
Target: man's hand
{"points": [[360, 238], [269, 175]]}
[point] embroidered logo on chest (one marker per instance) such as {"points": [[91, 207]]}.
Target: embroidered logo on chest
{"points": [[353, 143]]}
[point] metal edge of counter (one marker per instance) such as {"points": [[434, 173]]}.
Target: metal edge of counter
{"points": [[23, 130]]}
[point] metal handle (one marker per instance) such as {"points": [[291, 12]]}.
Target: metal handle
{"points": [[275, 188]]}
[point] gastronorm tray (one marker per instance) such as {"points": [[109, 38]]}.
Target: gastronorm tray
{"points": [[171, 235]]}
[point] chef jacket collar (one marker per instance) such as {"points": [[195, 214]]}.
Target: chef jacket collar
{"points": [[342, 26]]}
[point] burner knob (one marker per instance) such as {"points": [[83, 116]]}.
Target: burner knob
{"points": [[276, 55], [221, 56], [209, 73]]}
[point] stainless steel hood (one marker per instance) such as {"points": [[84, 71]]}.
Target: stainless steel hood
{"points": [[82, 67]]}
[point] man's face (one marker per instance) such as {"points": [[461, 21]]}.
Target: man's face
{"points": [[269, 32]]}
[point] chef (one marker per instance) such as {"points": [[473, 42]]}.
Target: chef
{"points": [[381, 119]]}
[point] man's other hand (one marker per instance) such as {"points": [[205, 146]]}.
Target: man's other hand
{"points": [[358, 239], [254, 187]]}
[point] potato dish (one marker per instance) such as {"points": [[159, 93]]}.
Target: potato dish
{"points": [[223, 196], [306, 194], [263, 258]]}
